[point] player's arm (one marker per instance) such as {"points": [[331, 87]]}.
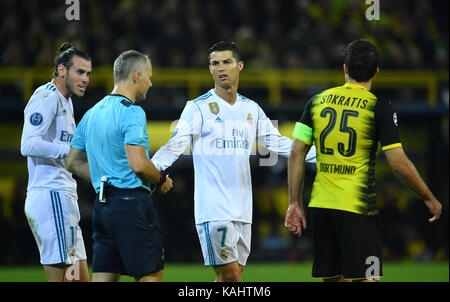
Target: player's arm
{"points": [[296, 171], [401, 166], [407, 173], [270, 137], [188, 125], [35, 146], [38, 117], [77, 163], [295, 217]]}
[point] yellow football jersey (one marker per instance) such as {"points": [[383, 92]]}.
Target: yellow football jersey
{"points": [[346, 123]]}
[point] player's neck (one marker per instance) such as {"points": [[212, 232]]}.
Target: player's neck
{"points": [[123, 88], [59, 83], [229, 95], [366, 85]]}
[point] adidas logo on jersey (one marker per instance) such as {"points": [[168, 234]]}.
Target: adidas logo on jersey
{"points": [[219, 120]]}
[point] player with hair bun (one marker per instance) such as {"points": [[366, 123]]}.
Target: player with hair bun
{"points": [[51, 204]]}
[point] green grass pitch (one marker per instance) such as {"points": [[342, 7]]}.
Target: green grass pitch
{"points": [[259, 272]]}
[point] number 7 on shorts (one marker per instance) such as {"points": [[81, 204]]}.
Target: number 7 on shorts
{"points": [[224, 230]]}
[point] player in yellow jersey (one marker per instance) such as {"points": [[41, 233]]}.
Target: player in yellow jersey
{"points": [[346, 123]]}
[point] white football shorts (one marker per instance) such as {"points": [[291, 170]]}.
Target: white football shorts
{"points": [[224, 242], [53, 218]]}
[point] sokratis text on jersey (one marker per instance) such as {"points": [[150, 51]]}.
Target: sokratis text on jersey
{"points": [[344, 101]]}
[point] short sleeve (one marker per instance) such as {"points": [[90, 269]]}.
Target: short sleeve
{"points": [[306, 116], [303, 128], [78, 139], [134, 126], [387, 125]]}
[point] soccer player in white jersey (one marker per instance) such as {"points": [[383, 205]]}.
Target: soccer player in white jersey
{"points": [[51, 204], [222, 127]]}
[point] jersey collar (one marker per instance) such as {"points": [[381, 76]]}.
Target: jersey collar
{"points": [[225, 103], [354, 85], [59, 92], [122, 96]]}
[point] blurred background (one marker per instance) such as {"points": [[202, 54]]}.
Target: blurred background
{"points": [[292, 50]]}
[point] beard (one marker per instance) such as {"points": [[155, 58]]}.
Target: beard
{"points": [[71, 88]]}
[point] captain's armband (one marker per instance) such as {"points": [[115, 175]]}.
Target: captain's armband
{"points": [[302, 132]]}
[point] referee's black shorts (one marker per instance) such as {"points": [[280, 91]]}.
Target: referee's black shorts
{"points": [[345, 244], [127, 234]]}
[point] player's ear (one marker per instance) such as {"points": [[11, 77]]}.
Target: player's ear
{"points": [[345, 69], [376, 72], [240, 65], [62, 70]]}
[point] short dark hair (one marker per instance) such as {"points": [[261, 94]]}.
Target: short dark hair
{"points": [[362, 59], [127, 63], [225, 45], [65, 56]]}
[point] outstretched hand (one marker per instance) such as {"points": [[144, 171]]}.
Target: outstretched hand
{"points": [[295, 219]]}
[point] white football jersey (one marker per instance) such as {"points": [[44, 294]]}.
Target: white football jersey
{"points": [[222, 138], [48, 128]]}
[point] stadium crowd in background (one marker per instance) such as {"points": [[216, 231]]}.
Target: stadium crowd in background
{"points": [[272, 34]]}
